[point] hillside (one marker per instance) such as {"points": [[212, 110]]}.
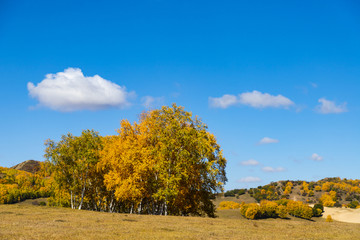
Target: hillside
{"points": [[31, 166], [332, 192], [17, 184]]}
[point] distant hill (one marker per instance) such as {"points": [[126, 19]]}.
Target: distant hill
{"points": [[31, 166], [330, 191]]}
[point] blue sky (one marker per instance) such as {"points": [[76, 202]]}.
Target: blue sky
{"points": [[277, 82]]}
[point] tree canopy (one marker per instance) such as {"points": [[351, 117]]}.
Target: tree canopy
{"points": [[166, 163]]}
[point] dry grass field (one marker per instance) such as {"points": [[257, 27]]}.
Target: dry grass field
{"points": [[26, 221]]}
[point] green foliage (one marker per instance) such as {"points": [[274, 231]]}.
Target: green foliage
{"points": [[318, 209], [74, 162], [235, 192], [353, 204]]}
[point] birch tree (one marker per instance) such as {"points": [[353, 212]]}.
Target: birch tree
{"points": [[74, 160]]}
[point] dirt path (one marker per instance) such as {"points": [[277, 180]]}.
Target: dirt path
{"points": [[343, 214]]}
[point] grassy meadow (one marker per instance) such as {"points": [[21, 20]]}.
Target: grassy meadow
{"points": [[27, 221]]}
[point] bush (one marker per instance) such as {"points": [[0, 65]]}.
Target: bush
{"points": [[281, 211], [329, 218], [245, 207], [283, 201], [268, 209], [228, 205], [318, 209], [281, 208], [252, 211], [235, 192], [299, 209], [353, 204]]}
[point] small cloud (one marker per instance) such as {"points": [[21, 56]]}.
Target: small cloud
{"points": [[327, 107], [254, 99], [267, 140], [250, 162], [257, 99], [223, 102], [271, 169], [71, 91], [151, 102], [316, 157], [314, 85], [249, 180]]}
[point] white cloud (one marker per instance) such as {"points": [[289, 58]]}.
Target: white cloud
{"points": [[316, 157], [267, 140], [257, 99], [223, 102], [71, 90], [327, 107], [249, 180], [250, 162], [151, 102], [271, 169], [254, 99]]}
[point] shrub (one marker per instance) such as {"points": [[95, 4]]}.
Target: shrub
{"points": [[353, 204], [281, 211], [252, 211], [299, 209], [329, 218], [229, 205], [268, 209], [235, 192], [327, 200], [283, 201], [318, 209]]}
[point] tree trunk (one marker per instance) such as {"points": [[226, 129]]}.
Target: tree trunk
{"points": [[71, 200]]}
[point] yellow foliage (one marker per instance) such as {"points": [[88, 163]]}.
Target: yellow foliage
{"points": [[329, 218], [252, 211], [228, 205], [299, 209], [281, 211], [327, 199]]}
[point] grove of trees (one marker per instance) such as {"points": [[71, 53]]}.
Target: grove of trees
{"points": [[166, 163], [17, 185]]}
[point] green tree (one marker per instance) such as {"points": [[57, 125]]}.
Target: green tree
{"points": [[74, 160]]}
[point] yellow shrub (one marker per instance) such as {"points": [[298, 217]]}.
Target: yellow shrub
{"points": [[281, 211], [252, 211], [299, 209], [228, 205], [327, 200], [268, 209], [329, 218]]}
